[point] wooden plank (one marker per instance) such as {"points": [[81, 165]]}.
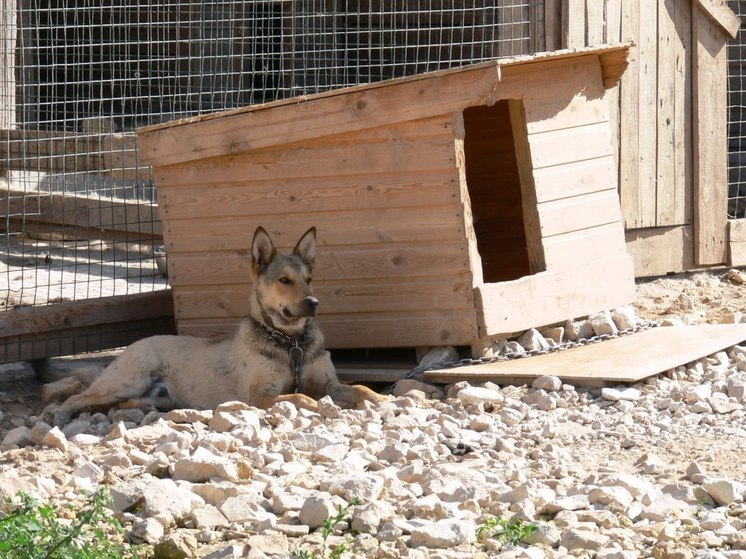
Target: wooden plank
{"points": [[737, 242], [573, 24], [91, 312], [579, 212], [683, 106], [70, 341], [72, 210], [394, 260], [532, 224], [629, 140], [626, 359], [661, 250], [575, 178], [720, 14], [585, 245], [647, 97], [613, 34], [424, 328], [54, 152], [275, 198], [595, 22], [399, 225], [588, 142], [554, 295], [346, 110], [310, 162], [553, 24], [710, 164], [669, 199], [384, 295]]}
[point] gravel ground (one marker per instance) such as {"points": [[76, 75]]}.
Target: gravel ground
{"points": [[655, 469]]}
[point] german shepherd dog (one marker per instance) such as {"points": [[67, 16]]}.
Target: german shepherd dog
{"points": [[277, 353]]}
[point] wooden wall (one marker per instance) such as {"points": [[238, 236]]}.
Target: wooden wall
{"points": [[669, 121], [392, 264]]}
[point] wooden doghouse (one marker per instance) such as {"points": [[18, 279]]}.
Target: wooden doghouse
{"points": [[450, 206]]}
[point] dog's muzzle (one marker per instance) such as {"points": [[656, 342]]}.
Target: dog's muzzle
{"points": [[311, 304]]}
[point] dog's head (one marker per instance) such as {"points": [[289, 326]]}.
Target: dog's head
{"points": [[282, 282]]}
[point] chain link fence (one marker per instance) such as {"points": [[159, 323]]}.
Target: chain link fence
{"points": [[737, 118], [77, 78]]}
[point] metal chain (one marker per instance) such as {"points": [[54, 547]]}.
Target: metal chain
{"points": [[530, 353]]}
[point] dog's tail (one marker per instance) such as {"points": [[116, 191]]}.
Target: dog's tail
{"points": [[47, 372]]}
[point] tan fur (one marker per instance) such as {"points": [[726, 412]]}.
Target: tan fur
{"points": [[253, 366]]}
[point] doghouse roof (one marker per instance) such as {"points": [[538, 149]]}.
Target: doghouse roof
{"points": [[354, 108]]}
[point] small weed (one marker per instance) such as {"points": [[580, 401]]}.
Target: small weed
{"points": [[512, 532], [33, 531], [327, 529]]}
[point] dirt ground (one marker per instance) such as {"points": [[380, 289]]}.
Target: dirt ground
{"points": [[696, 298]]}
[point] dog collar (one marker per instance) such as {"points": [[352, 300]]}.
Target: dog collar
{"points": [[295, 351]]}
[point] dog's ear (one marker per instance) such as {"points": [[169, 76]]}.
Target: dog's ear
{"points": [[262, 251], [306, 248]]}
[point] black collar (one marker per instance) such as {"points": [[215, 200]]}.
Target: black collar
{"points": [[281, 338], [293, 346]]}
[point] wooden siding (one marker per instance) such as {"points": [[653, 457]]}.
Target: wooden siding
{"points": [[387, 206], [397, 177], [667, 114]]}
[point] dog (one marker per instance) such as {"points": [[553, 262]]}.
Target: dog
{"points": [[277, 353]]}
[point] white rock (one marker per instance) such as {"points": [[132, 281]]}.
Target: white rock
{"points": [[616, 553], [573, 502], [602, 323], [625, 394], [618, 496], [208, 516], [203, 465], [625, 317], [697, 393], [724, 491], [576, 539], [233, 551], [20, 436], [316, 509], [369, 517], [578, 330], [444, 534], [548, 383], [649, 463], [54, 438], [148, 529], [532, 340], [472, 395]]}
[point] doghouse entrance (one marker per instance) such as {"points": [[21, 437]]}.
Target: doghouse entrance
{"points": [[502, 200]]}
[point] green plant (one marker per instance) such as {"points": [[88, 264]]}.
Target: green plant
{"points": [[327, 529], [512, 532], [33, 531]]}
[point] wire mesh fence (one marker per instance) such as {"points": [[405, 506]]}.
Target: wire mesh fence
{"points": [[77, 78], [737, 118]]}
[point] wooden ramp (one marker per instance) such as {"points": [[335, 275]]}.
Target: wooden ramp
{"points": [[621, 360]]}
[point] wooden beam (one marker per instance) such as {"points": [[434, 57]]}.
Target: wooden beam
{"points": [[720, 14], [345, 110], [79, 326], [90, 312], [86, 212], [737, 242], [710, 149], [552, 296], [57, 152], [661, 250], [625, 359]]}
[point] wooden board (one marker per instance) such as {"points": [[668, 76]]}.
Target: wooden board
{"points": [[621, 360], [710, 141], [737, 242], [554, 295]]}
